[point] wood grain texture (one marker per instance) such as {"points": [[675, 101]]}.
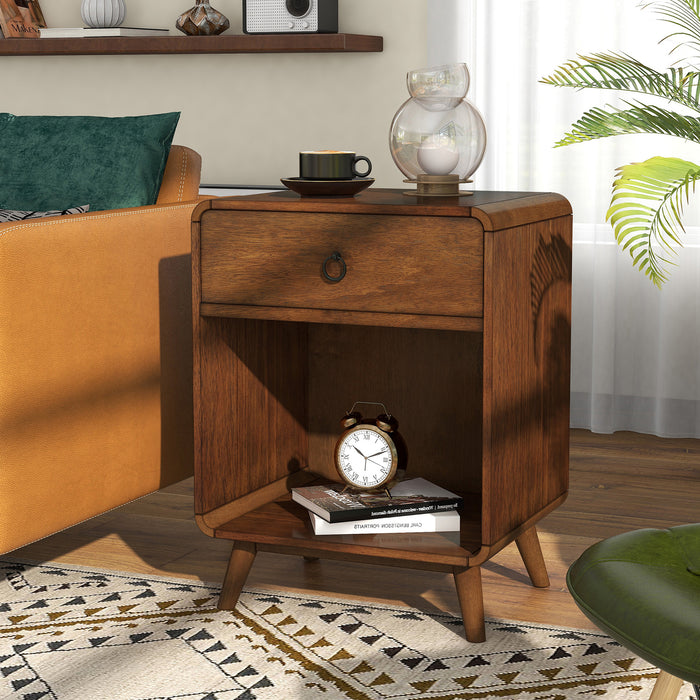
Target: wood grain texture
{"points": [[242, 557], [394, 264], [252, 409], [483, 413], [429, 380], [226, 43], [471, 602], [355, 318], [666, 687], [529, 547], [527, 318], [494, 210]]}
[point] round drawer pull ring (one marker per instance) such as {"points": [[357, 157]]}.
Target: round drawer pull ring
{"points": [[338, 258]]}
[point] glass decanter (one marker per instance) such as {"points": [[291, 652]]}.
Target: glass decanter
{"points": [[437, 137]]}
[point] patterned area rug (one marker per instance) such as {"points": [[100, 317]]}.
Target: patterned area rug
{"points": [[73, 633]]}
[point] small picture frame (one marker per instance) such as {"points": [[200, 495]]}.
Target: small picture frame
{"points": [[21, 18]]}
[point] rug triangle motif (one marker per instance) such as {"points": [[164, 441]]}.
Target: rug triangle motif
{"points": [[326, 650], [508, 677], [587, 668], [362, 667], [423, 686], [465, 681], [323, 642], [382, 679], [341, 654], [272, 610], [550, 673]]}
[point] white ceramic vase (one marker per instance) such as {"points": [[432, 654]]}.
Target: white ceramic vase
{"points": [[103, 13]]}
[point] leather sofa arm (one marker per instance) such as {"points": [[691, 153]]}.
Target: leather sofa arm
{"points": [[181, 177], [95, 364]]}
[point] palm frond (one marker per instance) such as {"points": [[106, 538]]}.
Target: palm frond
{"points": [[684, 14], [598, 123], [647, 208], [617, 71]]}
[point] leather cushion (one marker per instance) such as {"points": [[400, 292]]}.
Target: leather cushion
{"points": [[643, 589], [59, 162]]}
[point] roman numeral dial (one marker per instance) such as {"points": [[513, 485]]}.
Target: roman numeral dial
{"points": [[365, 456]]}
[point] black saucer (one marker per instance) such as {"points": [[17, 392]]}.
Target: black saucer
{"points": [[327, 188]]}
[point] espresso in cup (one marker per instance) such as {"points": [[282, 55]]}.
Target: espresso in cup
{"points": [[332, 165]]}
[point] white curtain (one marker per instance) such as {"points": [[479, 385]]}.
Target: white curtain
{"points": [[635, 349]]}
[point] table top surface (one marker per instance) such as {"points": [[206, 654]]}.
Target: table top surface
{"points": [[496, 210]]}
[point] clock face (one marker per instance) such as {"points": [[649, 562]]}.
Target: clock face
{"points": [[365, 457]]}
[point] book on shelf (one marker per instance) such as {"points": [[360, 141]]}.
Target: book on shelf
{"points": [[75, 32], [441, 521], [332, 503], [21, 18]]}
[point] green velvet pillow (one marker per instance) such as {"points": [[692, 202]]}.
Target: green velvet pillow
{"points": [[58, 162]]}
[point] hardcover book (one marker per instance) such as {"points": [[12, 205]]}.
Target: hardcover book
{"points": [[442, 521], [73, 32], [332, 503], [21, 18]]}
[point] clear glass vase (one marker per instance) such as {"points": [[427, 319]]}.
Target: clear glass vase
{"points": [[202, 19], [437, 136]]}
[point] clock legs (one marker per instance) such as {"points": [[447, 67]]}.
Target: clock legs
{"points": [[239, 564], [529, 547], [471, 602]]}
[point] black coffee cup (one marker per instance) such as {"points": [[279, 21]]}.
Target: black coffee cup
{"points": [[331, 165]]}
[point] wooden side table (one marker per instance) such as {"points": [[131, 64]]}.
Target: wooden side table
{"points": [[454, 312]]}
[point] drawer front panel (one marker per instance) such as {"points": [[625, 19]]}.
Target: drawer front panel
{"points": [[393, 264]]}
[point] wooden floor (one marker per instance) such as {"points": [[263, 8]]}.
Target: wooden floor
{"points": [[618, 482]]}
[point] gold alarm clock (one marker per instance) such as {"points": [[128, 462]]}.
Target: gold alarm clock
{"points": [[366, 454]]}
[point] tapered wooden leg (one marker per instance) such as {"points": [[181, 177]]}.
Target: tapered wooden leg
{"points": [[529, 547], [471, 602], [242, 556], [667, 687]]}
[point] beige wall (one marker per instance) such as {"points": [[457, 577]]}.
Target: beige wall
{"points": [[248, 115]]}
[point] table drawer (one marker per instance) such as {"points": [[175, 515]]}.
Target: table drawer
{"points": [[394, 264]]}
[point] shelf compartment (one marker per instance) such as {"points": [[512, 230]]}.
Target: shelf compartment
{"points": [[224, 43], [284, 523]]}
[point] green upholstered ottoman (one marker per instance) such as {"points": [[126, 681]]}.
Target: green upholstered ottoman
{"points": [[643, 589]]}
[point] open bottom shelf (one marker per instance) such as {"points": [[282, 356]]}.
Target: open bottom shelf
{"points": [[284, 525]]}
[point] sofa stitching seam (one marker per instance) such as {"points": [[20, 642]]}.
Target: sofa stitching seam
{"points": [[89, 217], [183, 172]]}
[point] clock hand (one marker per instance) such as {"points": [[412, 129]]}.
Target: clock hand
{"points": [[360, 453], [376, 453]]}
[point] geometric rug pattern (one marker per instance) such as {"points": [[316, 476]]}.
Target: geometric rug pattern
{"points": [[75, 633]]}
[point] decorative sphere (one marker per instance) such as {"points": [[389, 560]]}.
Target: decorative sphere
{"points": [[437, 131]]}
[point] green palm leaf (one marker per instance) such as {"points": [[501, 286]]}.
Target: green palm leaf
{"points": [[646, 210], [685, 14], [616, 71], [647, 119]]}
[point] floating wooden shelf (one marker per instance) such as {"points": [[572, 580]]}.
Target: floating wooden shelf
{"points": [[224, 43]]}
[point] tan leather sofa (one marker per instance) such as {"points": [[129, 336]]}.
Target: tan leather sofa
{"points": [[95, 358]]}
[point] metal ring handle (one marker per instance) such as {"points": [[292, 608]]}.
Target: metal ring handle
{"points": [[338, 258]]}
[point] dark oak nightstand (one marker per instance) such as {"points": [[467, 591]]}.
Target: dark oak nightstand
{"points": [[454, 312]]}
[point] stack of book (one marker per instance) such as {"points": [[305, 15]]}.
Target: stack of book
{"points": [[415, 505]]}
